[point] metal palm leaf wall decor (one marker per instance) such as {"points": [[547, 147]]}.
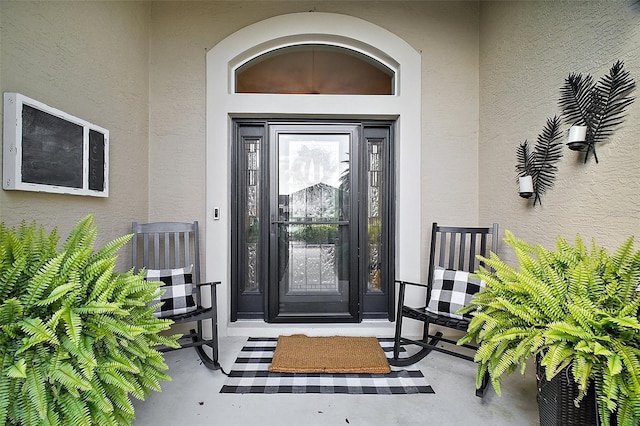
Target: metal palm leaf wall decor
{"points": [[540, 163], [594, 109]]}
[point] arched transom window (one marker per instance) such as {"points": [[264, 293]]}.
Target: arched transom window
{"points": [[315, 69]]}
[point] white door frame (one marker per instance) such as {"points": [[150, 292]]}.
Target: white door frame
{"points": [[223, 104]]}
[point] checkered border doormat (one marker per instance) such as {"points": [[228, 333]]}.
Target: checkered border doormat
{"points": [[250, 374]]}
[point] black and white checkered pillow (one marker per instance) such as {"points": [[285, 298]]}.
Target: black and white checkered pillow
{"points": [[451, 291], [178, 287]]}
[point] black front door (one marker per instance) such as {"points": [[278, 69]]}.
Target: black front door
{"points": [[311, 223], [305, 249]]}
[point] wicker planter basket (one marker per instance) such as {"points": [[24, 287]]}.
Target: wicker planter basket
{"points": [[555, 401]]}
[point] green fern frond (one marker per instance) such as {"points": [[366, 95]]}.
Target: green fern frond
{"points": [[117, 361], [123, 408], [115, 378], [542, 295], [631, 361], [72, 323], [75, 411], [153, 327], [75, 261], [11, 311], [99, 271], [102, 281], [480, 372], [139, 390], [11, 276], [110, 249], [43, 247], [97, 308], [134, 289], [100, 417], [18, 370], [611, 391], [82, 235], [120, 328], [168, 341], [631, 308], [155, 360], [515, 310], [627, 322], [103, 289], [486, 351], [42, 281], [36, 390], [581, 370], [66, 375], [149, 382], [557, 357], [52, 419], [57, 293], [157, 374], [38, 332], [82, 351], [583, 312], [99, 396], [564, 331]]}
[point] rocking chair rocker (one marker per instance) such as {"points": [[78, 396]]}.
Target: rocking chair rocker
{"points": [[170, 252], [449, 287]]}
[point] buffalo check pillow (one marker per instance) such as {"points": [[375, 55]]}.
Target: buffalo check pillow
{"points": [[451, 291], [178, 291]]}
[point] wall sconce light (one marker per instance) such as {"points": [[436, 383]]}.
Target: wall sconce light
{"points": [[536, 169], [526, 186], [593, 109], [577, 138]]}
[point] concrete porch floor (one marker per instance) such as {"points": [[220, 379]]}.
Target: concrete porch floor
{"points": [[193, 398]]}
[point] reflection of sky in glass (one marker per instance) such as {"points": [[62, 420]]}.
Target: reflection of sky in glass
{"points": [[306, 160]]}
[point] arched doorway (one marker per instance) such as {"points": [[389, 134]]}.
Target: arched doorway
{"points": [[224, 105]]}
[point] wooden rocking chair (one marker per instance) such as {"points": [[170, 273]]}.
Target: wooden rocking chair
{"points": [[170, 252], [452, 258]]}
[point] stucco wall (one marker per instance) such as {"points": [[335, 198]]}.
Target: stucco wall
{"points": [[89, 59], [444, 32], [527, 49]]}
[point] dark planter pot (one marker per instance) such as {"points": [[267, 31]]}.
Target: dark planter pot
{"points": [[555, 401]]}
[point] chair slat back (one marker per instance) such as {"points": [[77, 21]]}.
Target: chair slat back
{"points": [[166, 245], [457, 247]]}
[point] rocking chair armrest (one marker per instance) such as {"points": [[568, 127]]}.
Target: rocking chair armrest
{"points": [[212, 287], [402, 283], [211, 283]]}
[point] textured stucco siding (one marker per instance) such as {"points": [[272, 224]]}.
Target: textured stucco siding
{"points": [[88, 59], [527, 49], [445, 34], [491, 74]]}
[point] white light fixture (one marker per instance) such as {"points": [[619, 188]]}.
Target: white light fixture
{"points": [[577, 138], [526, 186]]}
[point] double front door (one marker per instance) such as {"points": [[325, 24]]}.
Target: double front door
{"points": [[312, 232]]}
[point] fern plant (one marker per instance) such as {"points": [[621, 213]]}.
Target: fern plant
{"points": [[574, 307], [77, 338]]}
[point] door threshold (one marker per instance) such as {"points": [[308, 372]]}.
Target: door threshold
{"points": [[258, 328]]}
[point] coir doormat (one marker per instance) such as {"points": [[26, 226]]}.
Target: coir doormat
{"points": [[328, 354], [250, 374]]}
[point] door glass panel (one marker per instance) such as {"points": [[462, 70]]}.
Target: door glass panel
{"points": [[252, 220], [313, 228], [374, 214]]}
